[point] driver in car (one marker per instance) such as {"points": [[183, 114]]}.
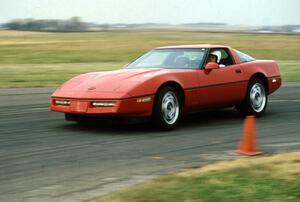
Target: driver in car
{"points": [[215, 56]]}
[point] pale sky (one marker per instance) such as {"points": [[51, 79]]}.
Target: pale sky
{"points": [[245, 12]]}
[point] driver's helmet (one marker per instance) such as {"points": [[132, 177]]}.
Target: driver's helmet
{"points": [[218, 54]]}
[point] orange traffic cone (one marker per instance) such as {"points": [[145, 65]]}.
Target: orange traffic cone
{"points": [[248, 143]]}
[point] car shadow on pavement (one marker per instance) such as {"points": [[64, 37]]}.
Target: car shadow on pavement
{"points": [[145, 126], [212, 117]]}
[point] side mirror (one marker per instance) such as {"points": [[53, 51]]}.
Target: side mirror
{"points": [[211, 66]]}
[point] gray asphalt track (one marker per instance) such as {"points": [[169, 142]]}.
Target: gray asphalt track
{"points": [[44, 158]]}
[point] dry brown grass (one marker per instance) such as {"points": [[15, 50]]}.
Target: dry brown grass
{"points": [[262, 178], [283, 166]]}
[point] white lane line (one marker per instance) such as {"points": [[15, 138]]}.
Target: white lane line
{"points": [[282, 144], [22, 111], [284, 100], [35, 109]]}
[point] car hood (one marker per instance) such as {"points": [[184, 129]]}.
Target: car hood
{"points": [[110, 81]]}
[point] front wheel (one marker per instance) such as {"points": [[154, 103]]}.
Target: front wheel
{"points": [[256, 99], [167, 109]]}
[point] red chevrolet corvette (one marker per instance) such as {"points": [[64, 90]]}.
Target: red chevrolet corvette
{"points": [[169, 81]]}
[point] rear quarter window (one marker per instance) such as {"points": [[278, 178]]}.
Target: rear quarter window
{"points": [[244, 57]]}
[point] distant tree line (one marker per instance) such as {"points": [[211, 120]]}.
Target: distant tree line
{"points": [[73, 24]]}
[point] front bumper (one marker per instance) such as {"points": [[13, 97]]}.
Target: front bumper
{"points": [[122, 107]]}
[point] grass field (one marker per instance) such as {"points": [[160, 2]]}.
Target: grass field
{"points": [[35, 59], [269, 179]]}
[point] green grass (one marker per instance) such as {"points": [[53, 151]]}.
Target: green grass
{"points": [[263, 179], [290, 70], [47, 75], [67, 54]]}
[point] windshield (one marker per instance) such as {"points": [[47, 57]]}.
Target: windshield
{"points": [[175, 58]]}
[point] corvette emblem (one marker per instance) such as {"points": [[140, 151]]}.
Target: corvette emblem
{"points": [[92, 88]]}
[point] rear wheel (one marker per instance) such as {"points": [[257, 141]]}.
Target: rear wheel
{"points": [[256, 99], [167, 109]]}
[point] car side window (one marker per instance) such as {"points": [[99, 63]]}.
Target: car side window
{"points": [[244, 57], [226, 58]]}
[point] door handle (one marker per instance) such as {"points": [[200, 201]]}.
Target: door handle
{"points": [[238, 71]]}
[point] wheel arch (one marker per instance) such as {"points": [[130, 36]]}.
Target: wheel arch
{"points": [[262, 77], [177, 87]]}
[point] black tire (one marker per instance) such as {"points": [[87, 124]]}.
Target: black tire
{"points": [[166, 100], [256, 99]]}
